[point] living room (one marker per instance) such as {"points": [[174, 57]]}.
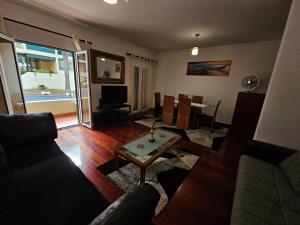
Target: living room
{"points": [[110, 115]]}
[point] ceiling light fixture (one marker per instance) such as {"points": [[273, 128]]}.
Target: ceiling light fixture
{"points": [[113, 2], [195, 50]]}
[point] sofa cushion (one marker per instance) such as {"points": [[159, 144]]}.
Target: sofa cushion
{"points": [[291, 168], [3, 163], [133, 208], [56, 192], [19, 130], [257, 168], [289, 199], [7, 200], [256, 200], [32, 154]]}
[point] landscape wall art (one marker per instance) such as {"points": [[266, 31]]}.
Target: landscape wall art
{"points": [[209, 68]]}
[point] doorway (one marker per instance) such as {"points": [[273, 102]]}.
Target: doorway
{"points": [[48, 81]]}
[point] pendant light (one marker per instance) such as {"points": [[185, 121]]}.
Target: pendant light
{"points": [[195, 50], [113, 2]]}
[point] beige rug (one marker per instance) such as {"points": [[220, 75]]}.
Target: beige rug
{"points": [[127, 177], [201, 136]]}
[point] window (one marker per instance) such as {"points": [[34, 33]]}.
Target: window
{"points": [[46, 73]]}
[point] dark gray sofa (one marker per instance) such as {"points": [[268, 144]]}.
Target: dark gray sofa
{"points": [[40, 185], [268, 187]]}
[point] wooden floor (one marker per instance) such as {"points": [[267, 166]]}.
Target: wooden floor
{"points": [[66, 120], [205, 197]]}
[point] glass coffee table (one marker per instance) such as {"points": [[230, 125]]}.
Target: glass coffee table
{"points": [[142, 153]]}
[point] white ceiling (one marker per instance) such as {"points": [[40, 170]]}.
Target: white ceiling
{"points": [[171, 24]]}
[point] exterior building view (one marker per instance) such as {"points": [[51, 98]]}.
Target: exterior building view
{"points": [[47, 78]]}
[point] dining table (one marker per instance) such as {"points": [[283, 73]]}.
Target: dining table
{"points": [[196, 109], [197, 105], [193, 104]]}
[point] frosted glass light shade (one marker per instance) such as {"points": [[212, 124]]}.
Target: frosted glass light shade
{"points": [[195, 51], [111, 2]]}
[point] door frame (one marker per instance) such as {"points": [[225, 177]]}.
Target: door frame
{"points": [[3, 77], [75, 74], [76, 79], [87, 66], [2, 92]]}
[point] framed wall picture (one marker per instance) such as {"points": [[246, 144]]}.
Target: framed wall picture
{"points": [[209, 68]]}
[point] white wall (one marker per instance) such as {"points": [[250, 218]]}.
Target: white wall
{"points": [[247, 58], [31, 80], [279, 122], [56, 107], [101, 40]]}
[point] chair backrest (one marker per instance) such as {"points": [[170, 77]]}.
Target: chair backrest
{"points": [[157, 98], [184, 109], [216, 110], [168, 110], [197, 99], [180, 96]]}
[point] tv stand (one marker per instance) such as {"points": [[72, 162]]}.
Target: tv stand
{"points": [[113, 112], [114, 107]]}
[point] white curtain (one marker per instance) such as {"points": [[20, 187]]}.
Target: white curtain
{"points": [[144, 88], [141, 80], [2, 28]]}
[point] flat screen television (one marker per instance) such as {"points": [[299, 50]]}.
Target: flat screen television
{"points": [[113, 95]]}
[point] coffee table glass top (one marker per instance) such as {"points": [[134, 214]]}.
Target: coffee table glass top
{"points": [[141, 149]]}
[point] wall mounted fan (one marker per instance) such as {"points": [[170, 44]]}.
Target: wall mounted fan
{"points": [[251, 82]]}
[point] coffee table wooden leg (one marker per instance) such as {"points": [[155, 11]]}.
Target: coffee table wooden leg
{"points": [[143, 176]]}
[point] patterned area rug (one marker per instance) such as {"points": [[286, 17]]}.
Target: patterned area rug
{"points": [[166, 174], [201, 136]]}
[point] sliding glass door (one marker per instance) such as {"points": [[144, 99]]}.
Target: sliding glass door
{"points": [[84, 94], [37, 78], [9, 73], [47, 76]]}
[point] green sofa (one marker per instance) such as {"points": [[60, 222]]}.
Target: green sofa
{"points": [[268, 187]]}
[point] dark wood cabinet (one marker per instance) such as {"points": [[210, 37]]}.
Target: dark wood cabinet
{"points": [[246, 114]]}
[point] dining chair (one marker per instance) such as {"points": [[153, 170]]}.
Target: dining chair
{"points": [[212, 126], [184, 109], [209, 118], [195, 111], [180, 96], [158, 108], [197, 99], [168, 110]]}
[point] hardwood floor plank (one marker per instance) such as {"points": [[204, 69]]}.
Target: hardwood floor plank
{"points": [[205, 196]]}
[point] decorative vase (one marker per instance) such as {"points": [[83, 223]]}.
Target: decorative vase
{"points": [[152, 138]]}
